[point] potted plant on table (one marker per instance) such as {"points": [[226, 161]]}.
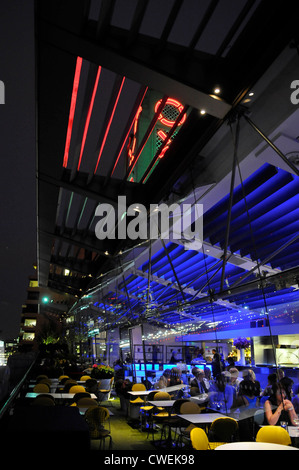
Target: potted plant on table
{"points": [[100, 371]]}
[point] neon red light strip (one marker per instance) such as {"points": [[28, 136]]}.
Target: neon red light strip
{"points": [[89, 114], [109, 124], [126, 138], [72, 110]]}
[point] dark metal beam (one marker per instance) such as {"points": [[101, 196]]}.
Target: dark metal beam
{"points": [[231, 195], [131, 68], [92, 190], [74, 240]]}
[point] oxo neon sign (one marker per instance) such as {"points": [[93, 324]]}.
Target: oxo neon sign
{"points": [[163, 119]]}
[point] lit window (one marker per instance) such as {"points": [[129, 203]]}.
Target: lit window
{"points": [[28, 336], [30, 322], [33, 283]]}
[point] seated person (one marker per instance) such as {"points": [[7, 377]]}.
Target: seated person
{"points": [[199, 381], [234, 379], [272, 379], [287, 384], [249, 390], [278, 408], [164, 380], [175, 376], [221, 395]]}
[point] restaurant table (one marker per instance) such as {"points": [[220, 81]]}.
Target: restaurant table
{"points": [[34, 395], [162, 403], [254, 446], [57, 396], [49, 429], [173, 388], [203, 398], [201, 418], [141, 393], [293, 431]]}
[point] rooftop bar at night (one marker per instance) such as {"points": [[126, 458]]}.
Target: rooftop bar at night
{"points": [[162, 312]]}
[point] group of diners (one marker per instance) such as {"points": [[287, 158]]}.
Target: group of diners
{"points": [[231, 391]]}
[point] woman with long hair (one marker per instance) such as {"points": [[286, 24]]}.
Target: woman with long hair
{"points": [[278, 408]]}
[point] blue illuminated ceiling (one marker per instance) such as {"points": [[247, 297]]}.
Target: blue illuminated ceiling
{"points": [[183, 286]]}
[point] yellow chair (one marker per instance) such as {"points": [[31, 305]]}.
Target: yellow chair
{"points": [[189, 407], [41, 388], [84, 378], [63, 378], [199, 439], [135, 403], [146, 410], [77, 389], [273, 434], [138, 387], [106, 392], [162, 396], [222, 431], [162, 416], [96, 417]]}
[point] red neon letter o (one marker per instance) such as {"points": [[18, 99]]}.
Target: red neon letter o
{"points": [[177, 105]]}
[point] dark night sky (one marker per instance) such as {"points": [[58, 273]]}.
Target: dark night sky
{"points": [[17, 156]]}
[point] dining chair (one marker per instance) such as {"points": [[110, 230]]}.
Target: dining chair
{"points": [[163, 417], [83, 378], [273, 434], [41, 388], [136, 403], [41, 377], [86, 402], [45, 381], [43, 400], [104, 393], [222, 431], [199, 439], [63, 378], [77, 389], [146, 410], [68, 384], [96, 417], [80, 395], [183, 431]]}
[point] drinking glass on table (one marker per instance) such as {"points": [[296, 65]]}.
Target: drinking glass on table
{"points": [[296, 421]]}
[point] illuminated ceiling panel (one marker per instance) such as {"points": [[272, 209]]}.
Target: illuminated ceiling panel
{"points": [[87, 132]]}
